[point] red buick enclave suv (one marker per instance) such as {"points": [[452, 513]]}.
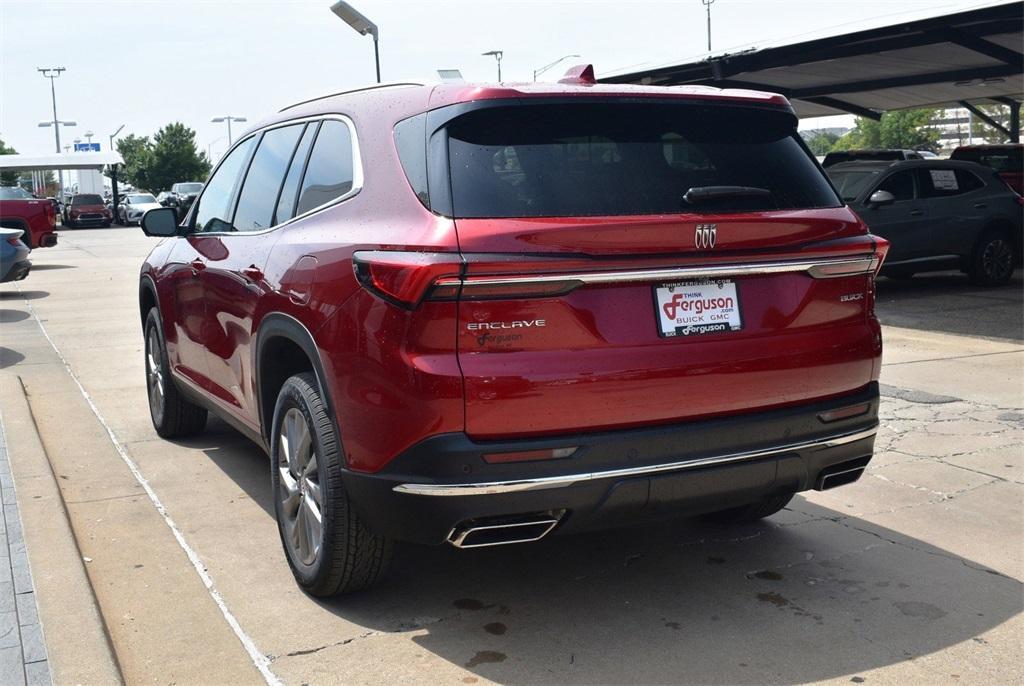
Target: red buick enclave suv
{"points": [[480, 314]]}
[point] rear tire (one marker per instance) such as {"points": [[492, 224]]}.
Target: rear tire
{"points": [[329, 548], [173, 416], [992, 260], [752, 512]]}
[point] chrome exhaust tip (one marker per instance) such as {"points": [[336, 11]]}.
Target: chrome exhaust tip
{"points": [[482, 533], [839, 475]]}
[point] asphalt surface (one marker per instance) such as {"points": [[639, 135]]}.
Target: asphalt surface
{"points": [[913, 574]]}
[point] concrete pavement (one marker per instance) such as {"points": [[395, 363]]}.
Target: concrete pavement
{"points": [[912, 574]]}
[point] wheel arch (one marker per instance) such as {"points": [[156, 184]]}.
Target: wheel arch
{"points": [[1006, 226], [284, 340], [147, 298]]}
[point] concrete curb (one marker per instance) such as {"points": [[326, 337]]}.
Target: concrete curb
{"points": [[78, 642]]}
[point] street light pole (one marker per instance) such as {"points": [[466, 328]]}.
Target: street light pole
{"points": [[707, 4], [113, 135], [228, 118], [538, 72], [56, 124], [497, 54], [351, 16]]}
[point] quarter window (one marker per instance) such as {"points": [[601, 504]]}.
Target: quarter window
{"points": [[258, 198], [329, 174], [214, 211]]}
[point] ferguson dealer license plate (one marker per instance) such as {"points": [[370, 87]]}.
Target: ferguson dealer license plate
{"points": [[692, 308]]}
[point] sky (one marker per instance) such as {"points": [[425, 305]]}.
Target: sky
{"points": [[145, 64]]}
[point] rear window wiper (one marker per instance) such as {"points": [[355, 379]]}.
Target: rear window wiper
{"points": [[705, 194]]}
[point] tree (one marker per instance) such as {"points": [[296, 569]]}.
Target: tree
{"points": [[902, 129], [175, 158], [7, 178], [820, 142], [137, 152]]}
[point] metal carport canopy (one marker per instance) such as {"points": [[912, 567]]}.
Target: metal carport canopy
{"points": [[965, 56], [64, 161]]}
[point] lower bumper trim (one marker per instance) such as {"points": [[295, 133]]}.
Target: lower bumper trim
{"points": [[563, 480]]}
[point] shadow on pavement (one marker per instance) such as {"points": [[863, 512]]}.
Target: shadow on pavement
{"points": [[23, 295], [44, 267], [11, 316], [809, 594], [8, 357], [950, 303]]}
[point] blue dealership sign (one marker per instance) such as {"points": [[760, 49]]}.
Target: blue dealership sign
{"points": [[87, 147]]}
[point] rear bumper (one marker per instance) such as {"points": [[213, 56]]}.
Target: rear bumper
{"points": [[617, 477]]}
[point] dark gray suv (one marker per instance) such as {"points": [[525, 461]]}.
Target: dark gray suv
{"points": [[937, 214]]}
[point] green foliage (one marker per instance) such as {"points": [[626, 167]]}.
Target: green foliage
{"points": [[820, 142], [7, 178], [171, 157], [903, 129], [137, 152]]}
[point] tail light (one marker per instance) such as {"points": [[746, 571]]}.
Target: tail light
{"points": [[406, 278], [15, 240]]}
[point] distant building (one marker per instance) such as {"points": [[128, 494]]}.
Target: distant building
{"points": [[954, 125]]}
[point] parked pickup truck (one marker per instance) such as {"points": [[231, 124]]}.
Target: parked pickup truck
{"points": [[19, 209]]}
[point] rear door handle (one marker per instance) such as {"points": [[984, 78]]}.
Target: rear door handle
{"points": [[916, 213], [252, 273]]}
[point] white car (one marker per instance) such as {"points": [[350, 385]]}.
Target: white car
{"points": [[133, 206]]}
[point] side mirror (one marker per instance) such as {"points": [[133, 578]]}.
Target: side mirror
{"points": [[159, 221], [879, 198]]}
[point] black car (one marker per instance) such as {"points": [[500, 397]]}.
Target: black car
{"points": [[181, 196], [938, 214], [874, 155]]}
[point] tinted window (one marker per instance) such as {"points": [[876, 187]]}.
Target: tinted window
{"points": [[1000, 159], [329, 172], [286, 204], [943, 183], [851, 184], [900, 184], [623, 159], [258, 197], [411, 142], [214, 210], [188, 187], [87, 200]]}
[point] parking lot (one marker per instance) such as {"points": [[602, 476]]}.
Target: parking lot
{"points": [[172, 550]]}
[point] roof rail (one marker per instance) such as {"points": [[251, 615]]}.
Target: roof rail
{"points": [[353, 90]]}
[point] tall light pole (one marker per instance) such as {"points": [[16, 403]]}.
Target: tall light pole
{"points": [[53, 73], [228, 118], [113, 135], [707, 4], [497, 55], [351, 16], [538, 72]]}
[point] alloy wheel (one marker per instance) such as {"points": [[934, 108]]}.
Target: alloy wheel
{"points": [[299, 494], [154, 374], [997, 259]]}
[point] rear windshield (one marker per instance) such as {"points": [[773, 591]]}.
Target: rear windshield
{"points": [[628, 159], [188, 187], [14, 193], [874, 155], [1002, 160], [851, 184], [87, 200]]}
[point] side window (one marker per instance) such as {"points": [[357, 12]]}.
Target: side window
{"points": [[258, 197], [214, 210], [286, 204], [968, 182], [938, 183], [900, 184], [329, 174], [411, 143]]}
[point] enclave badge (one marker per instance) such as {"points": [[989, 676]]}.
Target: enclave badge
{"points": [[705, 236]]}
